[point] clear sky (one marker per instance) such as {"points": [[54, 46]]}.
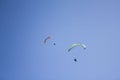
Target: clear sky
{"points": [[24, 24]]}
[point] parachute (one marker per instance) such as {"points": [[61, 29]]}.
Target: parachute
{"points": [[75, 45], [45, 40]]}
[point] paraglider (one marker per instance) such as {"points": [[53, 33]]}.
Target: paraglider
{"points": [[45, 40], [75, 45]]}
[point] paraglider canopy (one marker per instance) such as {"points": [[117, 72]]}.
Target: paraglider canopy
{"points": [[75, 45], [47, 38]]}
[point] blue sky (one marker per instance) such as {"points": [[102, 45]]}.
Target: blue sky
{"points": [[25, 24]]}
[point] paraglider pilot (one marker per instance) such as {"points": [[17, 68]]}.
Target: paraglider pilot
{"points": [[54, 44], [75, 60]]}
